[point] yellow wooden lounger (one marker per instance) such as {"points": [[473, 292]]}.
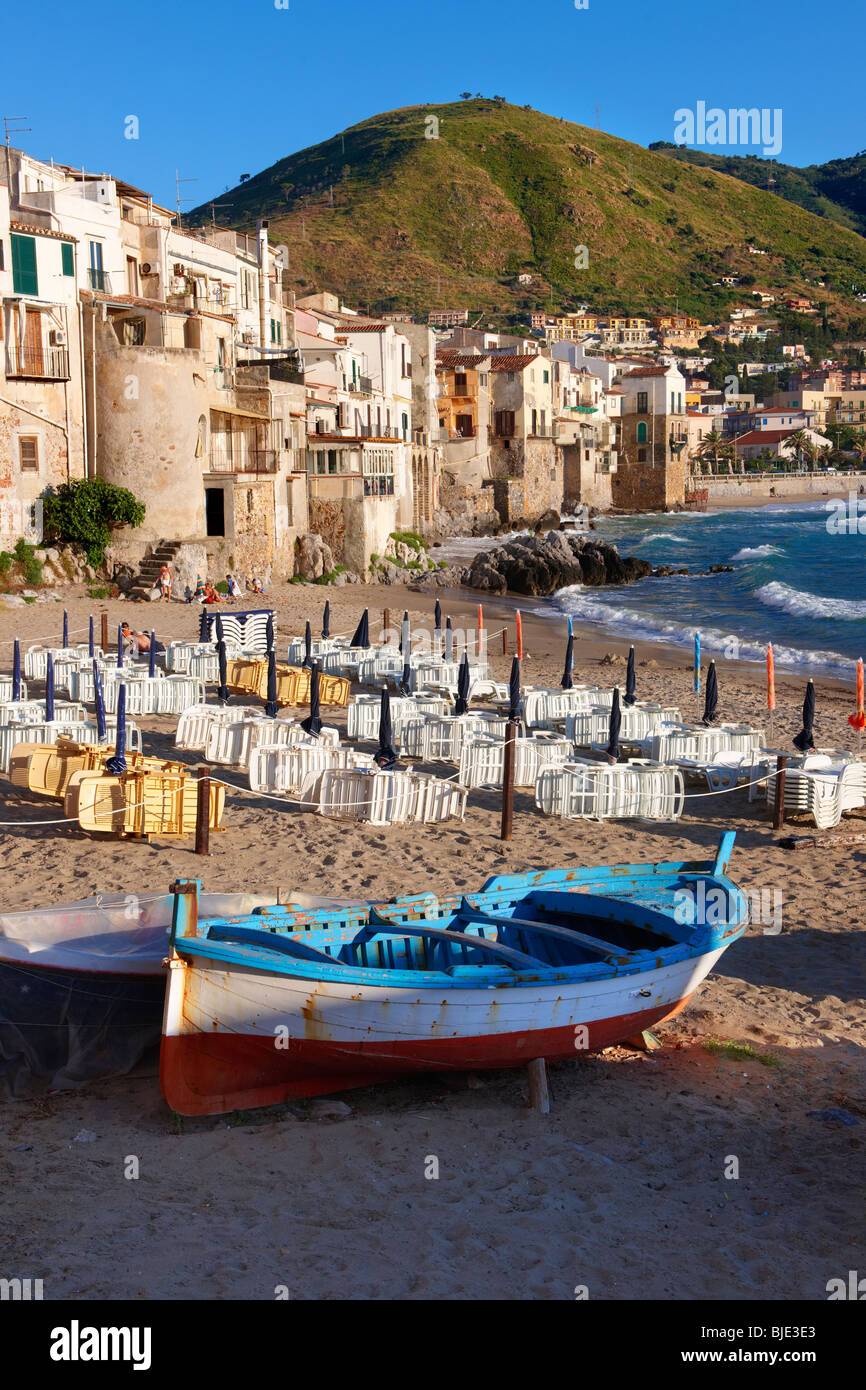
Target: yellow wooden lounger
{"points": [[45, 769], [244, 675], [140, 803]]}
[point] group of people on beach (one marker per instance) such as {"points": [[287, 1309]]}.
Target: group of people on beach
{"points": [[205, 591]]}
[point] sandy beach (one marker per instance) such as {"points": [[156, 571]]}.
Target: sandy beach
{"points": [[621, 1189]]}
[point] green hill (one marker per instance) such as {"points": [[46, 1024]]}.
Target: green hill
{"points": [[390, 218], [836, 190]]}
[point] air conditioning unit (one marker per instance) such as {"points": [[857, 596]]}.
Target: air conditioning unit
{"points": [[248, 337], [148, 269], [57, 337]]}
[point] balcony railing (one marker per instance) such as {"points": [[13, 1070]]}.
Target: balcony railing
{"points": [[99, 280], [245, 461], [46, 363]]}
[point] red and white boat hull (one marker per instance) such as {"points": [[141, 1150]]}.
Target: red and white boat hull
{"points": [[238, 1038]]}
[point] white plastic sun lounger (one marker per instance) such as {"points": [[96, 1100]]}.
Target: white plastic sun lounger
{"points": [[548, 707], [286, 769], [636, 790], [6, 689], [482, 758], [822, 788]]}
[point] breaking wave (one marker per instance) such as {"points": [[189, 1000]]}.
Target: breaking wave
{"points": [[802, 604]]}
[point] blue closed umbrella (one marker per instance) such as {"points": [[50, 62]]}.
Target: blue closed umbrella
{"points": [[613, 727], [118, 762], [385, 756], [313, 722], [326, 621], [362, 632], [222, 688], [271, 706], [90, 646], [120, 647], [514, 690], [202, 626], [307, 662], [405, 635], [151, 665], [406, 678], [269, 632], [567, 681], [16, 670], [65, 642], [462, 704], [629, 679], [437, 616], [449, 640], [49, 690], [711, 695], [697, 663], [101, 726], [805, 740], [218, 625]]}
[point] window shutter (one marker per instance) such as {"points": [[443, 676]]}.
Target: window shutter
{"points": [[67, 260], [24, 278]]}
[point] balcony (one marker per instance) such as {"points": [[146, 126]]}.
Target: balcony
{"points": [[363, 386], [379, 485], [99, 280], [37, 363], [245, 461]]}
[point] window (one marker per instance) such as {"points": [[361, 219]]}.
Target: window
{"points": [[504, 423], [547, 378], [641, 432], [221, 354], [24, 278], [28, 452], [460, 383], [97, 274], [642, 402], [67, 258], [641, 455]]}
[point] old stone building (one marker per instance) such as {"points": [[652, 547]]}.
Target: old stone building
{"points": [[653, 460]]}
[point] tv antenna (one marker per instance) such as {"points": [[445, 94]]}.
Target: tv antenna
{"points": [[178, 181], [10, 129]]}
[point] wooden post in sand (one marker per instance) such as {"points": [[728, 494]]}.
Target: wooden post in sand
{"points": [[508, 781], [104, 634], [386, 616], [539, 1096], [505, 641], [202, 816], [779, 804]]}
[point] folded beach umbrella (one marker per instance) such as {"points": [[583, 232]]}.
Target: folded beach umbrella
{"points": [[629, 679], [405, 636], [223, 687], [449, 640], [269, 632], [271, 706], [16, 670], [385, 756], [120, 647], [326, 620], [307, 662], [313, 722], [90, 647], [858, 720], [567, 681], [65, 642], [101, 726], [218, 627], [362, 631], [805, 739], [514, 691], [697, 663], [151, 664], [613, 727], [437, 616], [711, 695], [49, 690], [202, 625], [118, 762], [406, 677], [462, 704]]}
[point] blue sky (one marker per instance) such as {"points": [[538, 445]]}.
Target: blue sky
{"points": [[222, 89]]}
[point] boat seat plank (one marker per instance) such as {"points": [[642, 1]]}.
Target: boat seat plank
{"points": [[286, 945], [517, 959], [592, 943]]}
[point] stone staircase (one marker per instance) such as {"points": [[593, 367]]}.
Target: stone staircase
{"points": [[147, 578]]}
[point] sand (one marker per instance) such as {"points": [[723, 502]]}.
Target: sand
{"points": [[621, 1189]]}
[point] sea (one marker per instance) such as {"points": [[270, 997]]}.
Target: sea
{"points": [[798, 580]]}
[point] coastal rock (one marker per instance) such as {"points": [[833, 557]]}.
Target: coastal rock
{"points": [[539, 565], [313, 557]]}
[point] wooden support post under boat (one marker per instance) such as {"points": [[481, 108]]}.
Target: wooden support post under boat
{"points": [[202, 818], [539, 1095], [508, 781], [104, 633], [505, 641], [644, 1042], [779, 805]]}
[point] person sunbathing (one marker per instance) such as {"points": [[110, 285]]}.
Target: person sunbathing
{"points": [[210, 594], [137, 642]]}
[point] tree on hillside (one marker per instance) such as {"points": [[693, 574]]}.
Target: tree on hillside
{"points": [[465, 96]]}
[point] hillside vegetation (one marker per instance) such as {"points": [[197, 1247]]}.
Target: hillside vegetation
{"points": [[392, 219]]}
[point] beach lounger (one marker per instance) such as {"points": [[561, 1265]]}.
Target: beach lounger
{"points": [[442, 735], [637, 790], [140, 803], [482, 758], [822, 787]]}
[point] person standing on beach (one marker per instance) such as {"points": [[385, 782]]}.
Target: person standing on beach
{"points": [[165, 584]]}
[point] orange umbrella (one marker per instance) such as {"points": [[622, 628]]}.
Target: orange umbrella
{"points": [[771, 678], [519, 637], [480, 619], [858, 720]]}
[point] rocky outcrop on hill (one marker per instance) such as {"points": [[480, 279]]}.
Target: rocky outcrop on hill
{"points": [[539, 565]]}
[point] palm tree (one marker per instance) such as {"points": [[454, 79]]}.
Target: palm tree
{"points": [[714, 447], [797, 441], [859, 448]]}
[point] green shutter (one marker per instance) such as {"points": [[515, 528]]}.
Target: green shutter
{"points": [[24, 279], [67, 258]]}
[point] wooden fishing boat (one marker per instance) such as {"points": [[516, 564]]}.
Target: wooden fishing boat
{"points": [[285, 1003]]}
